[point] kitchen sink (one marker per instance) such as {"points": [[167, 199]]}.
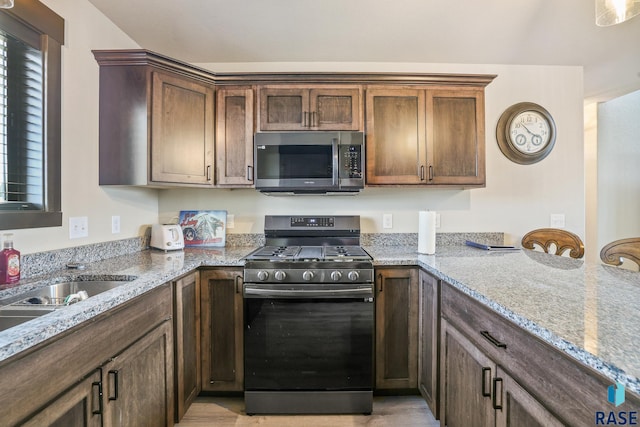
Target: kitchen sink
{"points": [[38, 302]]}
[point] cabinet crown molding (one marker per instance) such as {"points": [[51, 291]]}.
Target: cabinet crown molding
{"points": [[146, 57]]}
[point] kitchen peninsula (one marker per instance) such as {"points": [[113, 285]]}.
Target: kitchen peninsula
{"points": [[581, 310]]}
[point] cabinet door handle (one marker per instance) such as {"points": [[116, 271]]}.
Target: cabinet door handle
{"points": [[98, 384], [249, 173], [238, 281], [430, 172], [208, 172], [421, 172], [314, 119], [486, 383], [114, 373], [495, 393], [492, 339], [305, 120]]}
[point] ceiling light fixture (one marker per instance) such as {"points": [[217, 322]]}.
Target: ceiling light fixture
{"points": [[611, 12]]}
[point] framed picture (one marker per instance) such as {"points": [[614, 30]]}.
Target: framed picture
{"points": [[203, 228]]}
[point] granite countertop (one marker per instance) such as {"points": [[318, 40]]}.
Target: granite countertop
{"points": [[590, 311]]}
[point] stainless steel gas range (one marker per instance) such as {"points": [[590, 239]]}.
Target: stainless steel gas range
{"points": [[309, 318]]}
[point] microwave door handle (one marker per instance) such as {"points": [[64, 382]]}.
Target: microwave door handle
{"points": [[336, 161]]}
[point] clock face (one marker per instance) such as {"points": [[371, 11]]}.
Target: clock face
{"points": [[526, 133], [529, 132]]}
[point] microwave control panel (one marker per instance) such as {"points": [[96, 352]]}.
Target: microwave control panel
{"points": [[351, 161]]}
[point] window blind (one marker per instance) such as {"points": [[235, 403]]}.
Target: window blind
{"points": [[22, 163]]}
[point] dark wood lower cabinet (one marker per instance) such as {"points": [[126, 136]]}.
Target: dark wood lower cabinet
{"points": [[465, 388], [476, 392], [518, 407], [396, 355], [126, 352], [187, 341], [222, 336], [138, 382], [429, 341], [495, 373], [80, 406]]}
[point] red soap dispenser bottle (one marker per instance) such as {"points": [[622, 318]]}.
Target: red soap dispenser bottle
{"points": [[9, 262]]}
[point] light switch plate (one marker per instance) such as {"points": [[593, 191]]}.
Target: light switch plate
{"points": [[115, 224], [556, 220], [78, 227], [387, 221]]}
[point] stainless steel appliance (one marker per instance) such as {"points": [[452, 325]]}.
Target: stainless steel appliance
{"points": [[309, 162], [309, 318]]}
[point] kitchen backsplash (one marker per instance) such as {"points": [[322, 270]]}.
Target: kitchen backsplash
{"points": [[46, 262]]}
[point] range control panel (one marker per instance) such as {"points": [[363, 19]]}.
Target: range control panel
{"points": [[312, 221]]}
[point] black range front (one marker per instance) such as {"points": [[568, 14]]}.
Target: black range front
{"points": [[309, 328]]}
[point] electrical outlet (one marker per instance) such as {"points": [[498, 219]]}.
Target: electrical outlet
{"points": [[231, 221], [556, 220], [115, 224], [387, 221], [78, 227]]}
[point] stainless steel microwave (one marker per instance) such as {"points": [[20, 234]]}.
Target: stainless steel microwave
{"points": [[309, 162]]}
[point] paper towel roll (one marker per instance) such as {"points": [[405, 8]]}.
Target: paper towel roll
{"points": [[427, 232]]}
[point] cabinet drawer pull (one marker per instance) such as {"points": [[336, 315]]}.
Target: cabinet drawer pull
{"points": [[495, 393], [486, 383], [492, 339], [114, 373], [98, 384]]}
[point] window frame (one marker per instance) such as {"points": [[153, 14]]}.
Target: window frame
{"points": [[50, 26]]}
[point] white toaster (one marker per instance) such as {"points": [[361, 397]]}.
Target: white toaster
{"points": [[167, 237]]}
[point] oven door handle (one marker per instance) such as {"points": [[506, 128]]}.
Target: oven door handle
{"points": [[259, 292]]}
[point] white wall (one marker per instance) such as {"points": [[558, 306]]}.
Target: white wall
{"points": [[517, 198], [618, 168], [86, 29]]}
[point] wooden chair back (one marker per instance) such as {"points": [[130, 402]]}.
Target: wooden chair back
{"points": [[623, 248], [562, 240]]}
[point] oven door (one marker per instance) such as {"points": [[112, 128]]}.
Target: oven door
{"points": [[308, 337]]}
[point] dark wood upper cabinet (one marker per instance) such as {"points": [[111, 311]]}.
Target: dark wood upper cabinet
{"points": [[425, 136], [156, 124], [234, 136], [182, 131], [455, 136], [396, 138], [159, 121], [292, 108]]}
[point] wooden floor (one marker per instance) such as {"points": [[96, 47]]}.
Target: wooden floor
{"points": [[391, 411]]}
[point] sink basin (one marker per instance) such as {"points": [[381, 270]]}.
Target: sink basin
{"points": [[38, 302], [62, 290]]}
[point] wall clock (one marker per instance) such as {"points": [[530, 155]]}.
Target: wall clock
{"points": [[526, 133]]}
